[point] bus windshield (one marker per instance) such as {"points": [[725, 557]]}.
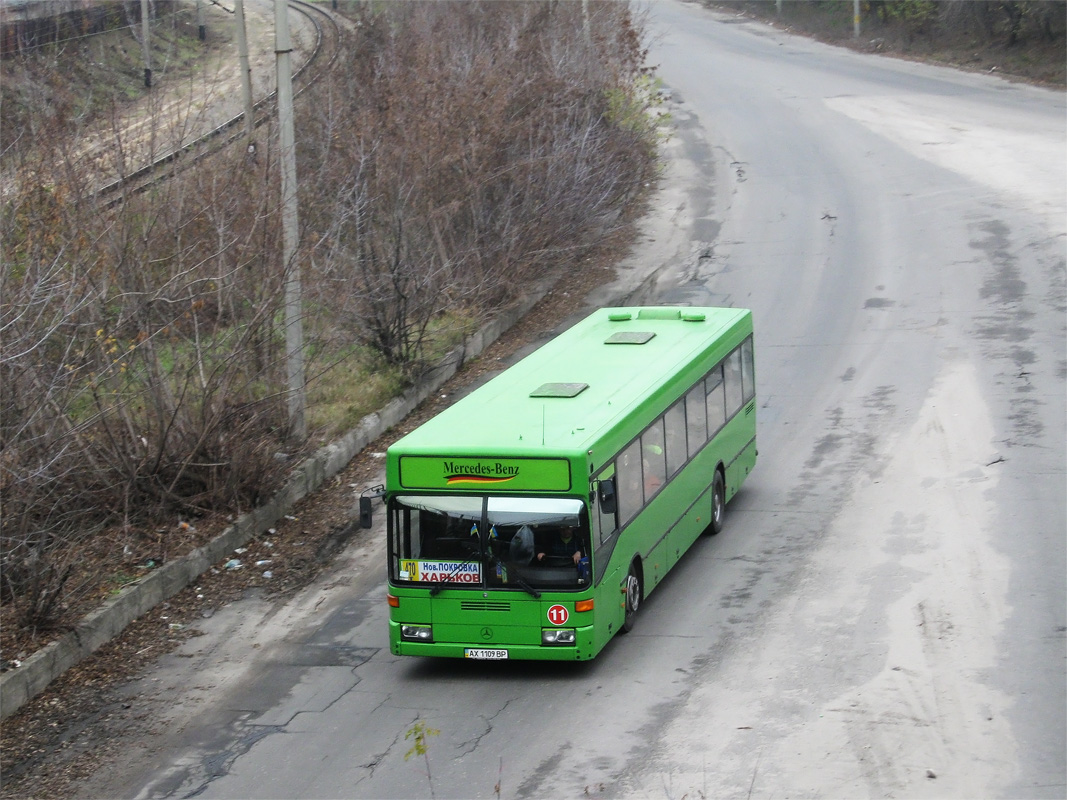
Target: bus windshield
{"points": [[523, 543]]}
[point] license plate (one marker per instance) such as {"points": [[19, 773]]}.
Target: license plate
{"points": [[485, 655]]}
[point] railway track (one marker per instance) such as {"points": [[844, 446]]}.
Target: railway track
{"points": [[321, 59]]}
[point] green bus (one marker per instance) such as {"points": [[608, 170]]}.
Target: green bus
{"points": [[530, 519]]}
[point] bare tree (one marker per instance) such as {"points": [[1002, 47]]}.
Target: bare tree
{"points": [[460, 152], [496, 154]]}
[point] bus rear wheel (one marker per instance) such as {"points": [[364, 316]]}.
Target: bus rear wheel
{"points": [[718, 503], [634, 595]]}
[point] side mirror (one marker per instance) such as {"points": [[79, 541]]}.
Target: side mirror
{"points": [[366, 516], [606, 492]]}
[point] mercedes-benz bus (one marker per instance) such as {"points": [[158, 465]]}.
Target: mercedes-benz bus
{"points": [[532, 518]]}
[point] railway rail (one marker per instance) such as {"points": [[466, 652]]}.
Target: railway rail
{"points": [[321, 59]]}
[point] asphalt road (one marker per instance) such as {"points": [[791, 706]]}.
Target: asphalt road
{"points": [[884, 614]]}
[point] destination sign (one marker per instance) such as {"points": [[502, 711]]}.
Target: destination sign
{"points": [[440, 571]]}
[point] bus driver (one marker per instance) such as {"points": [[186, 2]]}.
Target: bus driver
{"points": [[564, 545]]}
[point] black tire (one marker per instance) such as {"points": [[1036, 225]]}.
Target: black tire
{"points": [[718, 504], [634, 592]]}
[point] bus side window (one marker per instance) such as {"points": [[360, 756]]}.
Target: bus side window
{"points": [[653, 463], [396, 535], [412, 534], [630, 494], [674, 424], [716, 401], [606, 526], [748, 370], [696, 419], [405, 533], [732, 368]]}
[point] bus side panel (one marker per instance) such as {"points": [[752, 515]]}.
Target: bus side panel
{"points": [[736, 446], [689, 528], [610, 605], [736, 475], [678, 525], [657, 564]]}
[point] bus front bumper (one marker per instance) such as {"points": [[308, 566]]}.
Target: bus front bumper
{"points": [[581, 650]]}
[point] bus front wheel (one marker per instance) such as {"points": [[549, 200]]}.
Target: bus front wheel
{"points": [[634, 593], [718, 503]]}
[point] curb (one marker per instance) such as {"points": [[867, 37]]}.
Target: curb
{"points": [[98, 627]]}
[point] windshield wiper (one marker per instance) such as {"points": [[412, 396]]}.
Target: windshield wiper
{"points": [[522, 584]]}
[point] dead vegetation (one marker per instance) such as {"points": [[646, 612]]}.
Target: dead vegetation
{"points": [[457, 152], [1021, 39]]}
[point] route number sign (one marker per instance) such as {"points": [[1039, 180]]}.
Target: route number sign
{"points": [[557, 615]]}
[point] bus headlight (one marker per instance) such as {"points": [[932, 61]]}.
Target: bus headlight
{"points": [[416, 633], [557, 636]]}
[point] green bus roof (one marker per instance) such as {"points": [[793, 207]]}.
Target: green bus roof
{"points": [[578, 393]]}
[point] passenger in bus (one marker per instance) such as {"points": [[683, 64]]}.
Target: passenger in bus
{"points": [[652, 480], [653, 469], [564, 545]]}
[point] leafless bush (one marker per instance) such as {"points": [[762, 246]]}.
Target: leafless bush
{"points": [[138, 362], [462, 150], [1006, 21], [188, 363], [466, 148]]}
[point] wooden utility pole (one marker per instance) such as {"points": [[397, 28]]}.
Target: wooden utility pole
{"points": [[294, 323], [145, 48]]}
